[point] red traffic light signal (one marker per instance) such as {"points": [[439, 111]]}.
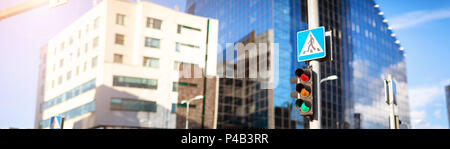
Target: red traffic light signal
{"points": [[304, 75]]}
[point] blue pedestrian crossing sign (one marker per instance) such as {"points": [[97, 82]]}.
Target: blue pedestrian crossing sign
{"points": [[56, 122], [311, 44]]}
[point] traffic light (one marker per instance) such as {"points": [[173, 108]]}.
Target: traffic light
{"points": [[305, 88]]}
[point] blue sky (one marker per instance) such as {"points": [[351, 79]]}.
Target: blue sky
{"points": [[421, 26], [21, 37]]}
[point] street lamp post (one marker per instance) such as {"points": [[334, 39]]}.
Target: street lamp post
{"points": [[316, 124], [187, 107], [329, 78]]}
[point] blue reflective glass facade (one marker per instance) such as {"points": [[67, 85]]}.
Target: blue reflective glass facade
{"points": [[75, 112], [364, 50], [69, 95], [369, 52]]}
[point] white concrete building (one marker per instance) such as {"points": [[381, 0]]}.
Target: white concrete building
{"points": [[117, 65]]}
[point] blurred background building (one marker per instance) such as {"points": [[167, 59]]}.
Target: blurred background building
{"points": [[189, 88], [365, 49], [117, 66], [244, 101]]}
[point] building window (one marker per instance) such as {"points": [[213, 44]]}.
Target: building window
{"points": [[62, 46], [177, 47], [77, 71], [79, 34], [95, 42], [176, 66], [120, 19], [61, 63], [132, 105], [175, 86], [118, 58], [174, 108], [187, 84], [153, 23], [86, 47], [120, 39], [87, 108], [60, 79], [87, 29], [74, 92], [78, 52], [191, 28], [71, 40], [85, 67], [190, 45], [151, 62], [97, 23], [135, 82], [94, 62], [78, 111], [180, 27], [152, 42], [69, 75]]}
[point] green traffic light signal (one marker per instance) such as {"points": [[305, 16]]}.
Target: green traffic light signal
{"points": [[304, 106]]}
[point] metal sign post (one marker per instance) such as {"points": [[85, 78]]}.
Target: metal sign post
{"points": [[311, 46], [313, 22]]}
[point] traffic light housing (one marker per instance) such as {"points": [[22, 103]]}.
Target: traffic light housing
{"points": [[305, 92]]}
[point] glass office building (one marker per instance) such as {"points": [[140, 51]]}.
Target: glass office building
{"points": [[364, 50]]}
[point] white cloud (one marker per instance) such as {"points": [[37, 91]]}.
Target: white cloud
{"points": [[422, 96], [446, 82], [417, 118], [437, 114], [438, 127], [418, 121], [360, 66], [412, 19]]}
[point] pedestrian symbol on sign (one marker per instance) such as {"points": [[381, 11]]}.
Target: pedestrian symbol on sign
{"points": [[311, 44]]}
